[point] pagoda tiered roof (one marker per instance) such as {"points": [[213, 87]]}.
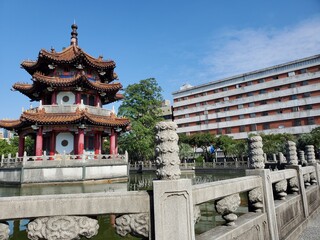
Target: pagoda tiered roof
{"points": [[40, 117], [72, 55]]}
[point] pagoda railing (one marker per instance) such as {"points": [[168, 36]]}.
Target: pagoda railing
{"points": [[59, 160], [71, 109]]}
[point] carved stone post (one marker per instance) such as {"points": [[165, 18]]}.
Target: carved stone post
{"points": [[292, 157], [302, 158], [173, 207], [167, 151], [256, 154], [294, 185], [310, 154], [282, 158]]}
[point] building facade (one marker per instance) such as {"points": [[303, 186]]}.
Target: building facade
{"points": [[279, 99], [71, 87]]}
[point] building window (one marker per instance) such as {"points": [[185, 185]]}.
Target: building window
{"points": [[310, 121], [293, 97], [304, 83], [198, 123], [218, 120], [197, 114], [249, 94], [219, 131], [204, 94], [241, 116], [264, 114], [197, 104], [252, 115], [238, 85], [251, 104], [295, 109], [226, 98], [185, 107], [278, 100], [186, 125], [216, 90], [216, 101], [277, 89], [296, 122], [185, 98], [275, 77], [226, 109], [291, 74], [307, 94], [206, 122], [240, 106], [229, 130], [303, 71], [225, 89], [242, 129], [239, 96], [217, 110], [308, 107], [186, 116], [253, 127], [292, 85], [263, 102], [261, 80], [262, 91], [266, 126], [206, 112], [279, 111], [228, 118], [205, 103], [249, 83]]}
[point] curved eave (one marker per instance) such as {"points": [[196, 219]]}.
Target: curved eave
{"points": [[107, 121], [10, 124]]}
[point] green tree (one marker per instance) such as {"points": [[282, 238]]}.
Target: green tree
{"points": [[274, 143], [141, 104], [185, 151], [202, 140], [227, 144]]}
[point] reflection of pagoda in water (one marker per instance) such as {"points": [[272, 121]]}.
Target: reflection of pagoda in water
{"points": [[72, 87]]}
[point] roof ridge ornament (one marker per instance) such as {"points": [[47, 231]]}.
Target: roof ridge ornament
{"points": [[74, 35]]}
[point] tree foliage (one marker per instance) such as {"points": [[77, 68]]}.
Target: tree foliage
{"points": [[274, 143], [141, 104]]}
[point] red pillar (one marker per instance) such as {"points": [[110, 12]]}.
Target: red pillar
{"points": [[39, 142], [52, 144], [113, 141], [21, 145], [75, 147], [116, 149], [80, 141], [54, 98], [78, 98], [97, 143]]}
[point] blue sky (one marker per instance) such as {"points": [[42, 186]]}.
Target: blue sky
{"points": [[175, 41]]}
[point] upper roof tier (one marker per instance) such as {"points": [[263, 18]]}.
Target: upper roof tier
{"points": [[43, 84], [71, 56]]}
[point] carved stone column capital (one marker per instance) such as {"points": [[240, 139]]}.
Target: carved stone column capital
{"points": [[256, 154], [134, 224], [167, 151], [62, 227], [292, 153]]}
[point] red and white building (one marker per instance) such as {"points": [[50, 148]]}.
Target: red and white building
{"points": [[279, 99]]}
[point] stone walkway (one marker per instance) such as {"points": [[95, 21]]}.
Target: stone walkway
{"points": [[312, 232]]}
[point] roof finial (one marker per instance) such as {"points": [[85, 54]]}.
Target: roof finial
{"points": [[74, 35]]}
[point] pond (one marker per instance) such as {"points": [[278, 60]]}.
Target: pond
{"points": [[209, 217]]}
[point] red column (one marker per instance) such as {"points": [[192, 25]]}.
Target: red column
{"points": [[78, 98], [52, 144], [54, 98], [113, 142], [80, 141], [21, 145], [75, 147], [97, 143], [116, 149], [39, 142]]}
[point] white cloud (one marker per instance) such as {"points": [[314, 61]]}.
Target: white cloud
{"points": [[240, 51]]}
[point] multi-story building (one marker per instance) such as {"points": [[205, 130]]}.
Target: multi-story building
{"points": [[279, 99]]}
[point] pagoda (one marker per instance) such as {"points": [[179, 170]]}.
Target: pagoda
{"points": [[71, 87]]}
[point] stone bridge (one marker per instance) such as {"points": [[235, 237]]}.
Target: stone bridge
{"points": [[280, 203]]}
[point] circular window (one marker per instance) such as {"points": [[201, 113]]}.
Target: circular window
{"points": [[64, 143], [65, 99]]}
